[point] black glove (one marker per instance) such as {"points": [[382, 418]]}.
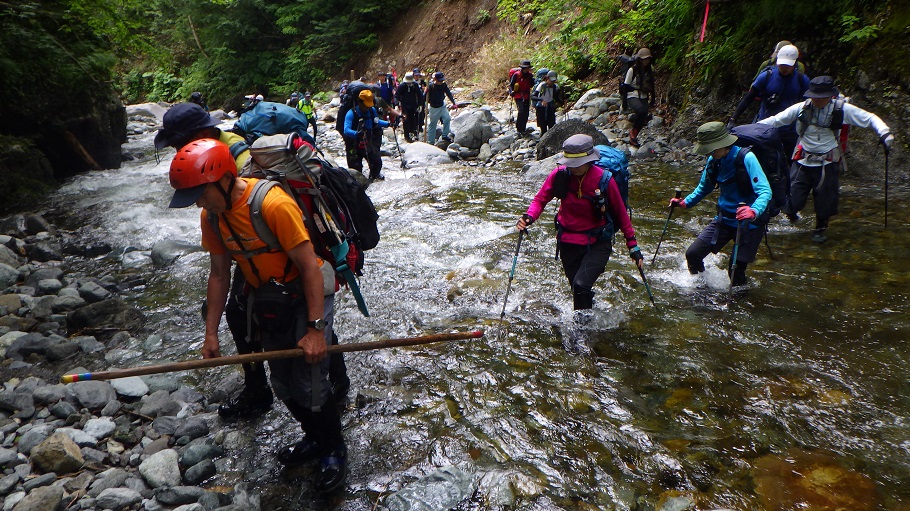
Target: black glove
{"points": [[635, 254]]}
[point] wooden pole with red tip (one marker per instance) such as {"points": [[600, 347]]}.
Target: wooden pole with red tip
{"points": [[267, 355]]}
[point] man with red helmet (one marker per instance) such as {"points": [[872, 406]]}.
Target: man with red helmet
{"points": [[289, 301]]}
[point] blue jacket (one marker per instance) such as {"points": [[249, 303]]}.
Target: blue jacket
{"points": [[779, 92], [370, 118], [730, 194]]}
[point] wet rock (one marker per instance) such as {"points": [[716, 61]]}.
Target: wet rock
{"points": [[799, 479], [42, 499], [8, 275], [197, 452], [67, 303], [99, 428], [39, 481], [57, 454], [439, 490], [193, 428], [92, 292], [161, 469], [8, 257], [16, 400], [164, 253], [9, 458], [159, 403], [199, 472], [179, 495], [117, 498], [44, 251], [472, 127], [81, 438], [33, 437], [423, 154], [190, 507], [7, 483], [108, 314]]}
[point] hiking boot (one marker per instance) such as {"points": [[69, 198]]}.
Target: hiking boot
{"points": [[792, 217], [249, 404], [380, 177], [332, 470], [297, 454], [818, 236]]}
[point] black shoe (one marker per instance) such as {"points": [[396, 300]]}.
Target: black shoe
{"points": [[251, 403], [380, 177], [297, 454], [793, 218], [818, 236], [332, 471]]}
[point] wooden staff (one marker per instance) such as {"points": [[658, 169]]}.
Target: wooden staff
{"points": [[268, 355]]}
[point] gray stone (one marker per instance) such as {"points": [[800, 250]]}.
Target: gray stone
{"points": [[679, 503], [23, 346], [63, 409], [33, 437], [35, 223], [12, 499], [166, 425], [15, 400], [179, 495], [92, 292], [8, 257], [67, 303], [81, 438], [50, 272], [111, 478], [190, 507], [194, 427], [8, 276], [99, 428], [9, 457], [117, 498], [57, 350], [48, 287], [161, 469], [89, 344], [8, 483], [199, 472], [45, 250], [472, 128], [49, 394], [57, 454], [196, 452], [187, 395], [159, 403], [93, 395], [107, 314], [46, 498], [111, 408], [423, 154], [37, 482], [131, 386]]}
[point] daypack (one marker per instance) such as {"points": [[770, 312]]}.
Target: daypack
{"points": [[615, 165], [837, 117], [516, 78], [764, 142], [539, 77], [352, 91], [267, 118], [338, 214], [623, 63]]}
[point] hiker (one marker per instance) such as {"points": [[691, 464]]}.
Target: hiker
{"points": [[197, 98], [363, 126], [290, 305], [182, 124], [584, 236], [772, 60], [387, 85], [436, 97], [817, 156], [343, 88], [410, 97], [422, 109], [778, 87], [520, 84], [544, 98], [744, 196], [640, 83], [293, 100], [306, 107]]}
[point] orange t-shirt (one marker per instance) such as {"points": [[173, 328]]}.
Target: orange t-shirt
{"points": [[283, 217]]}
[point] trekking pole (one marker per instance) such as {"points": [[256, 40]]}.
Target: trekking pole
{"points": [[739, 232], [502, 314], [267, 355], [770, 253], [666, 224], [886, 188], [398, 146], [644, 279]]}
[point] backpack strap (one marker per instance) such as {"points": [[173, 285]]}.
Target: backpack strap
{"points": [[238, 147], [257, 197], [805, 117]]}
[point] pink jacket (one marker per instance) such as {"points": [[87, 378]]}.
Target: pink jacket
{"points": [[577, 214]]}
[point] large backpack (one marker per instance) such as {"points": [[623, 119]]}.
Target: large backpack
{"points": [[623, 63], [338, 214], [764, 142], [267, 118], [350, 94]]}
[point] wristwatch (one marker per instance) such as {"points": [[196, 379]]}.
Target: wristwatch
{"points": [[318, 324]]}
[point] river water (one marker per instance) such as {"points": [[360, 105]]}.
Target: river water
{"points": [[789, 396]]}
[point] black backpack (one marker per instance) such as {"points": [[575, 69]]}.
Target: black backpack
{"points": [[764, 142], [348, 99], [623, 63]]}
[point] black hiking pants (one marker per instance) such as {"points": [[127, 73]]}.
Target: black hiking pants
{"points": [[713, 239], [824, 184], [640, 107], [411, 118], [546, 118], [583, 265], [524, 111]]}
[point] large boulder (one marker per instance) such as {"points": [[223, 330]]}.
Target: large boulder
{"points": [[105, 315], [551, 142], [422, 154], [472, 128]]}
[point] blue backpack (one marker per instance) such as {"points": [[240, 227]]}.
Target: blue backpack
{"points": [[617, 164], [267, 118]]}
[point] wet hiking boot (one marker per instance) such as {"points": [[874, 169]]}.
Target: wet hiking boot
{"points": [[792, 217], [818, 236], [332, 470], [249, 404], [297, 454]]}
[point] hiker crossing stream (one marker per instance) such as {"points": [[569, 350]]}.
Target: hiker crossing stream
{"points": [[791, 393]]}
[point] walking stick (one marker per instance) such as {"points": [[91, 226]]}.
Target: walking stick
{"points": [[398, 146], [644, 279], [502, 314], [267, 355], [770, 253], [886, 188], [739, 232], [666, 224]]}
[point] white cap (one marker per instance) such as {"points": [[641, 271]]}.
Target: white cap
{"points": [[259, 97], [787, 55]]}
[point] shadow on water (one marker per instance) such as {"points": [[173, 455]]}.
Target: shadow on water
{"points": [[791, 395]]}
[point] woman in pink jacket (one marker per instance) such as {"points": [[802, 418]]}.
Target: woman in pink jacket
{"points": [[587, 217]]}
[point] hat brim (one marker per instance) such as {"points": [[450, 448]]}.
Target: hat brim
{"points": [[710, 147], [821, 94], [579, 161], [786, 62], [186, 197]]}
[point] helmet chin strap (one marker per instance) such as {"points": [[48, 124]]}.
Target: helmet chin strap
{"points": [[226, 194]]}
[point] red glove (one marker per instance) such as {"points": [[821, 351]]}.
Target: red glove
{"points": [[677, 202], [745, 213]]}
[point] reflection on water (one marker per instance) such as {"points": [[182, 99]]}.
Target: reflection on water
{"points": [[791, 396]]}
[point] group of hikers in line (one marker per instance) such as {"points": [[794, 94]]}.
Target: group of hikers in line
{"points": [[279, 299]]}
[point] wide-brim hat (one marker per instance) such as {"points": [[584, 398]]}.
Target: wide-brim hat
{"points": [[525, 63], [821, 87], [643, 53], [712, 136], [180, 123], [408, 77], [578, 150], [186, 197]]}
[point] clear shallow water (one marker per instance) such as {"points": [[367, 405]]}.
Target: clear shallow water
{"points": [[791, 396]]}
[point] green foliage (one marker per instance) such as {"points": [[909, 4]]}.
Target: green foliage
{"points": [[483, 16], [848, 24]]}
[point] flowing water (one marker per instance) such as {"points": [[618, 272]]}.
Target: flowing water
{"points": [[789, 396]]}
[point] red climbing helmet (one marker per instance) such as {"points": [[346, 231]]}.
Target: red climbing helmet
{"points": [[196, 165]]}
